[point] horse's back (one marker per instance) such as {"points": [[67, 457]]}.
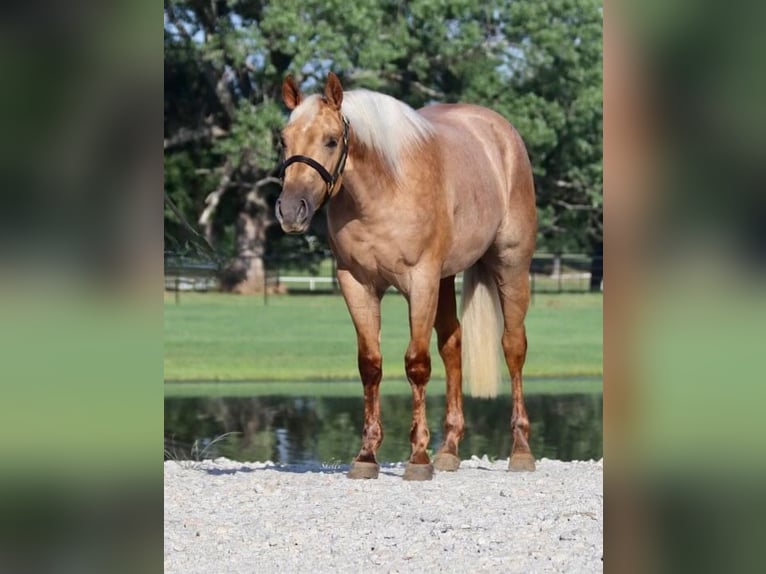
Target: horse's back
{"points": [[471, 130]]}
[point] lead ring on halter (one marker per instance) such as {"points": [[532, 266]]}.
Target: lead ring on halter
{"points": [[330, 180]]}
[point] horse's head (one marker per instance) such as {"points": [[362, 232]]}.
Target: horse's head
{"points": [[315, 143]]}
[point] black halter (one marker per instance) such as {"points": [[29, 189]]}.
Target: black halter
{"points": [[330, 180]]}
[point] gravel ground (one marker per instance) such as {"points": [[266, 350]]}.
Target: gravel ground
{"points": [[225, 516]]}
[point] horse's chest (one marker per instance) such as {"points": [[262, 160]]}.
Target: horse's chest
{"points": [[373, 256]]}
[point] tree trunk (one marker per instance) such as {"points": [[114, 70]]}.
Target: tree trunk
{"points": [[246, 273]]}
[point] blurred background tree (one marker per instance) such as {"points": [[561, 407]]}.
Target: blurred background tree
{"points": [[537, 63]]}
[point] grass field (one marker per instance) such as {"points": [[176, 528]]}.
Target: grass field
{"points": [[218, 337]]}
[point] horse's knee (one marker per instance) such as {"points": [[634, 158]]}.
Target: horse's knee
{"points": [[370, 367], [418, 367]]}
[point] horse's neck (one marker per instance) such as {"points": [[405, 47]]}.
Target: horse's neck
{"points": [[370, 186]]}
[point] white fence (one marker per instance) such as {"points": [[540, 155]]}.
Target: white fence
{"points": [[560, 282], [563, 282], [570, 273]]}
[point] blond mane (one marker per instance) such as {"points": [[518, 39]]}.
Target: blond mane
{"points": [[385, 124], [380, 122]]}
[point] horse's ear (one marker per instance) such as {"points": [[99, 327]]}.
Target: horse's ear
{"points": [[333, 91], [291, 93]]}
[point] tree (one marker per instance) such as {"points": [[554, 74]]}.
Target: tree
{"points": [[222, 114], [558, 103]]}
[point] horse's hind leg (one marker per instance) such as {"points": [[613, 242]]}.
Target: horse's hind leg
{"points": [[513, 288], [364, 306], [448, 337]]}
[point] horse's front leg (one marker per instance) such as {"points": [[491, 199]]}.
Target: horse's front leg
{"points": [[364, 306], [423, 298]]}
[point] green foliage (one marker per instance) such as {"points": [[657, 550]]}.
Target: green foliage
{"points": [[562, 97], [254, 128]]}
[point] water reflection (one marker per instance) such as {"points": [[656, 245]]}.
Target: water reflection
{"points": [[327, 430]]}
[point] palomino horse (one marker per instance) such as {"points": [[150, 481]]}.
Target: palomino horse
{"points": [[415, 197]]}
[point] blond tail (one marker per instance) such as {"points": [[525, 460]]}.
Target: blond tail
{"points": [[482, 324]]}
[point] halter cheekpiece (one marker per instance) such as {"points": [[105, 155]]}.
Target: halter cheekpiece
{"points": [[330, 180]]}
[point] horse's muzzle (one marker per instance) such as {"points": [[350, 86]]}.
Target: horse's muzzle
{"points": [[294, 214]]}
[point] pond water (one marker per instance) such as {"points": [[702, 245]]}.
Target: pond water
{"points": [[312, 430]]}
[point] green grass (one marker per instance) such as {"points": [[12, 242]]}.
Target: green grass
{"points": [[217, 337]]}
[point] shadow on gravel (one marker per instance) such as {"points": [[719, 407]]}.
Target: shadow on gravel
{"points": [[290, 469], [387, 469]]}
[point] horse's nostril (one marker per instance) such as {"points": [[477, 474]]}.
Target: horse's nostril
{"points": [[303, 210], [279, 209]]}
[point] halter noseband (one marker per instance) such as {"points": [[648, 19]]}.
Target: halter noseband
{"points": [[330, 180]]}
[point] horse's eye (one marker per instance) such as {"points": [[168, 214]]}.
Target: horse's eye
{"points": [[282, 143], [331, 143]]}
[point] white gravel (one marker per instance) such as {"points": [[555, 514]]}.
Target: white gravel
{"points": [[225, 516]]}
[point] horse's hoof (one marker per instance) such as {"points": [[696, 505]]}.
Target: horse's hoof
{"points": [[446, 461], [418, 471], [363, 470], [521, 462]]}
